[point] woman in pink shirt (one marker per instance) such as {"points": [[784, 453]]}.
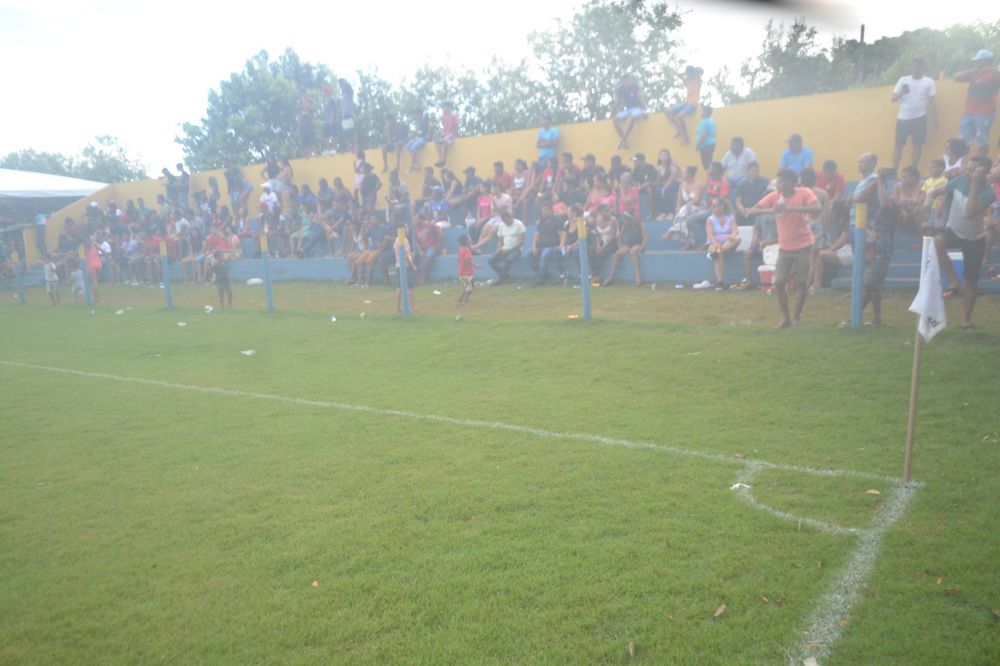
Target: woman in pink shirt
{"points": [[94, 265]]}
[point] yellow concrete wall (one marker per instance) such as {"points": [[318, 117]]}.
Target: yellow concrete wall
{"points": [[838, 126]]}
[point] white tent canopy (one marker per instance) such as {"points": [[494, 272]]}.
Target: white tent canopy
{"points": [[31, 185]]}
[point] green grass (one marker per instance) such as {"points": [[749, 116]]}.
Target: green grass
{"points": [[144, 523]]}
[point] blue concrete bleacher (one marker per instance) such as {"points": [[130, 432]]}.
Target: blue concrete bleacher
{"points": [[663, 261]]}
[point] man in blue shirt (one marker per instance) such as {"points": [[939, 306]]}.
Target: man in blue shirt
{"points": [[797, 156], [704, 136], [548, 139]]}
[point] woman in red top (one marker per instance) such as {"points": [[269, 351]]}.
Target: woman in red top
{"points": [[94, 265], [628, 197]]}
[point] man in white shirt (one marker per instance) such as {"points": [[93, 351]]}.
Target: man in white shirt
{"points": [[915, 94], [269, 198], [737, 161], [510, 235]]}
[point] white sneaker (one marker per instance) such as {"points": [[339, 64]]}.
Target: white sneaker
{"points": [[704, 284]]}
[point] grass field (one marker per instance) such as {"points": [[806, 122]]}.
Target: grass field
{"points": [[512, 487]]}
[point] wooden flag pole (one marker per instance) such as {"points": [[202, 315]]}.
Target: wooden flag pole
{"points": [[918, 345]]}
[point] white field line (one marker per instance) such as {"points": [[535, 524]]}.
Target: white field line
{"points": [[823, 627], [467, 423], [745, 494]]}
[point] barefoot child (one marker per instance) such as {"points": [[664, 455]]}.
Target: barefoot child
{"points": [[402, 240], [466, 269], [51, 279], [220, 269]]}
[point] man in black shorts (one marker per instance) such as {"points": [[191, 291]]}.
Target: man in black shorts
{"points": [[915, 94], [969, 199]]}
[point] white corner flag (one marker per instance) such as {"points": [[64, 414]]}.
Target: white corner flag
{"points": [[929, 303]]}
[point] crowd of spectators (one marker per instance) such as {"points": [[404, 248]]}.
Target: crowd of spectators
{"points": [[706, 207]]}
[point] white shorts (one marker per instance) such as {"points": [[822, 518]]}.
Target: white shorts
{"points": [[846, 255], [634, 112]]}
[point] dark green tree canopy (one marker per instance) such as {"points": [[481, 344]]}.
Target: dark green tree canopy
{"points": [[103, 160]]}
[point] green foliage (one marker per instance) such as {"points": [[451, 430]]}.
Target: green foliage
{"points": [[582, 61], [791, 62], [256, 110], [653, 13], [108, 162], [40, 162], [103, 160], [253, 112]]}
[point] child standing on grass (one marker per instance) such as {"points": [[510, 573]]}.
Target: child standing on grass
{"points": [[466, 269], [76, 279], [220, 270], [51, 279], [402, 240]]}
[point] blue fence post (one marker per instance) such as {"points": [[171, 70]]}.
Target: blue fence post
{"points": [[858, 270], [582, 247], [267, 273], [165, 267], [19, 281], [404, 292]]}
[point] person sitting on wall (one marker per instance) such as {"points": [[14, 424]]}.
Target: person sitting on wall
{"points": [[629, 106], [691, 78]]}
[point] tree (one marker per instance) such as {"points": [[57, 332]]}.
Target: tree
{"points": [[103, 160], [792, 63], [106, 161], [40, 162], [653, 13], [253, 113], [582, 62]]}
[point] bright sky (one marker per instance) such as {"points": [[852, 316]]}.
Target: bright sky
{"points": [[136, 70]]}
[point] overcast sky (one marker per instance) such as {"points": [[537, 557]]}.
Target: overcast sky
{"points": [[137, 70]]}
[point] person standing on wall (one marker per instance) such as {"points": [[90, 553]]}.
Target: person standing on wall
{"points": [[916, 94]]}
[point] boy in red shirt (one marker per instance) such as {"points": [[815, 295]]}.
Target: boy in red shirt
{"points": [[793, 208]]}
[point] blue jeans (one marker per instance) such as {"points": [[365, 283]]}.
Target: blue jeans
{"points": [[502, 261], [429, 256], [696, 227], [546, 256]]}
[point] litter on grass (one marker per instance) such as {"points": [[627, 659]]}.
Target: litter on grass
{"points": [[209, 309], [255, 282], [120, 312], [181, 324], [248, 352], [737, 486], [436, 292], [333, 319]]}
